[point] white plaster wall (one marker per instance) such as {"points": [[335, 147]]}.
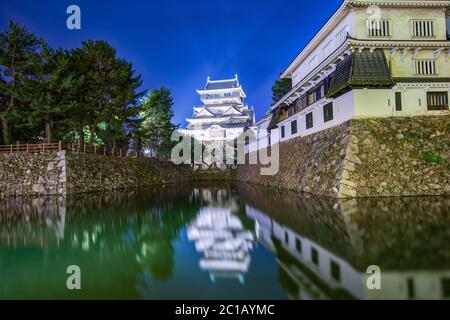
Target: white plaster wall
{"points": [[381, 102], [401, 21], [374, 103], [304, 68], [404, 66], [343, 111]]}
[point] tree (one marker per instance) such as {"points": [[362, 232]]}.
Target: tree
{"points": [[112, 87], [51, 94], [19, 61], [73, 95], [280, 88], [157, 115]]}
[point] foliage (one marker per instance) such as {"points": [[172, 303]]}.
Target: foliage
{"points": [[82, 94], [21, 55], [280, 88], [414, 135], [156, 127], [430, 158]]}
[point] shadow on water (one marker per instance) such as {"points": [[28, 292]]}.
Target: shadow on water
{"points": [[223, 241], [333, 242]]}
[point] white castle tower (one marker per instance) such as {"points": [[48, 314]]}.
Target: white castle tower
{"points": [[223, 115]]}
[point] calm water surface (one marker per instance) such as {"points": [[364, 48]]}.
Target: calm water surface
{"points": [[230, 242]]}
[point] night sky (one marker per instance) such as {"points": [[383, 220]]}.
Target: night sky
{"points": [[177, 44]]}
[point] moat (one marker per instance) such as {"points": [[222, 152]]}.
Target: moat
{"points": [[223, 242]]}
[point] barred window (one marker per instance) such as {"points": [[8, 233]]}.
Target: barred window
{"points": [[311, 98], [294, 127], [425, 67], [437, 100], [309, 120], [378, 28], [328, 112], [423, 28]]}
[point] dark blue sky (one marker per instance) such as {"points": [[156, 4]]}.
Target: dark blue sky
{"points": [[178, 43]]}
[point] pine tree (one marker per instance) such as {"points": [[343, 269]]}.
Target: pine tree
{"points": [[112, 88], [280, 88], [158, 114], [19, 61]]}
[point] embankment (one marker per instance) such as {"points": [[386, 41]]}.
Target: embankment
{"points": [[65, 173], [365, 158]]}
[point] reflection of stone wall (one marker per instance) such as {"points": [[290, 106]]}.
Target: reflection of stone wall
{"points": [[214, 175], [365, 158], [400, 233], [32, 174]]}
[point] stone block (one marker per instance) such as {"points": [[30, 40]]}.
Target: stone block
{"points": [[50, 166]]}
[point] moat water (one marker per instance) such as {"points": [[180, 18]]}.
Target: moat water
{"points": [[224, 242]]}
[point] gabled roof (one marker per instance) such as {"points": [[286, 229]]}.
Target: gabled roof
{"points": [[222, 84], [204, 113], [232, 111], [363, 69]]}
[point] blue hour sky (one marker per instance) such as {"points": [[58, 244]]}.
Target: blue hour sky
{"points": [[178, 43]]}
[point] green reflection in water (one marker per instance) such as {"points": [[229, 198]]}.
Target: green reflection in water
{"points": [[239, 242]]}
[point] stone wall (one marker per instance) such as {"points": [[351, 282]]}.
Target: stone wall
{"points": [[64, 173], [365, 158], [32, 174], [88, 172]]}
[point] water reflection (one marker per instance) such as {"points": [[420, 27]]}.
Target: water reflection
{"points": [[220, 235], [324, 252], [239, 242]]}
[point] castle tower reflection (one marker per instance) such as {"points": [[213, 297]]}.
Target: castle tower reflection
{"points": [[221, 237]]}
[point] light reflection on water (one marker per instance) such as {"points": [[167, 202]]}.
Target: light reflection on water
{"points": [[237, 242]]}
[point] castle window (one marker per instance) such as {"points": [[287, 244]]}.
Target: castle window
{"points": [[294, 127], [298, 245], [309, 120], [437, 100], [446, 288], [315, 256], [398, 101], [335, 271], [425, 67], [328, 49], [283, 133], [341, 36], [311, 98], [423, 28], [378, 28], [313, 62], [411, 288], [328, 112]]}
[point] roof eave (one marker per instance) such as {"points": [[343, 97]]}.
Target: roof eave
{"points": [[287, 73]]}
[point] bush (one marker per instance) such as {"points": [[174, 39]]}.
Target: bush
{"points": [[432, 159], [414, 135]]}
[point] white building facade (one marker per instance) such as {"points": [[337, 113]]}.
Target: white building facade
{"points": [[223, 115], [385, 58]]}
